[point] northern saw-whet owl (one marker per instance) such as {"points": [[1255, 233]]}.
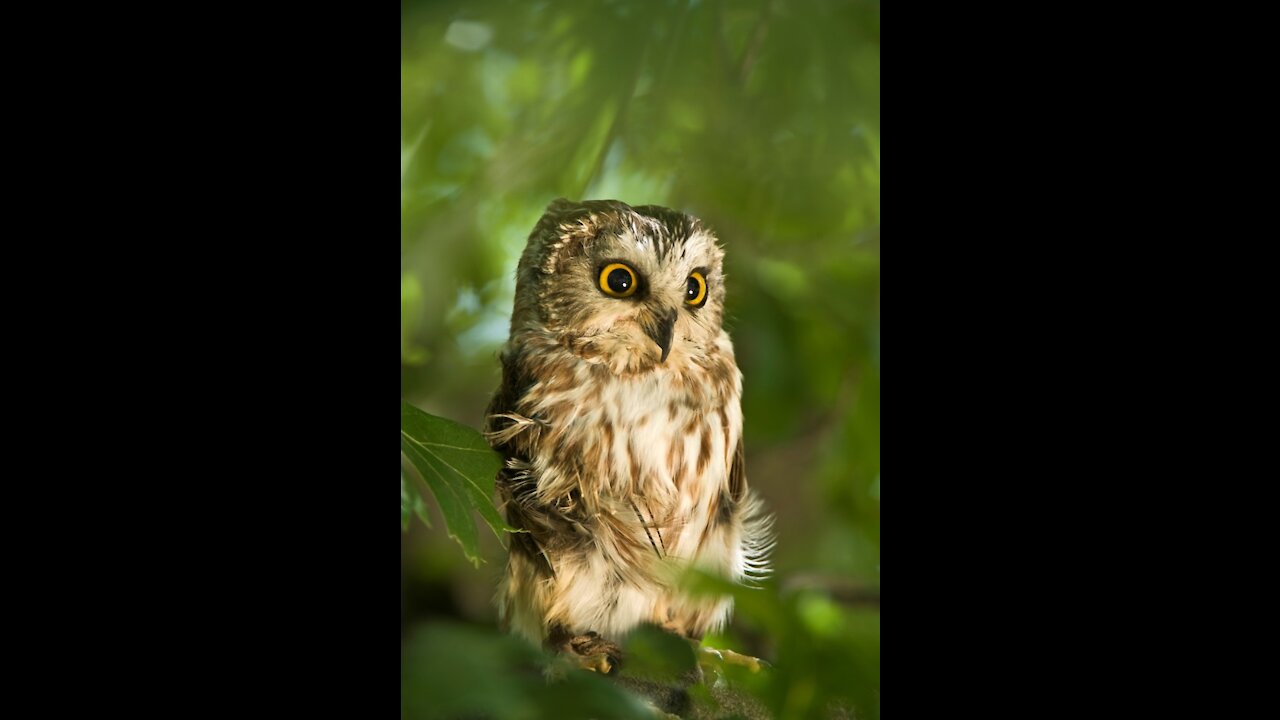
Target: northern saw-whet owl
{"points": [[620, 423]]}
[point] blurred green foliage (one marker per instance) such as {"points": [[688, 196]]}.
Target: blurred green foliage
{"points": [[825, 654], [455, 671], [763, 119]]}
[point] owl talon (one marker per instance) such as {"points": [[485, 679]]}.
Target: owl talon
{"points": [[714, 657], [600, 662], [591, 652]]}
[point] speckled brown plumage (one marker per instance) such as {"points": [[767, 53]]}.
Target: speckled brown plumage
{"points": [[620, 422]]}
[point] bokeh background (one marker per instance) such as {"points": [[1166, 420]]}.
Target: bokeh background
{"points": [[763, 119]]}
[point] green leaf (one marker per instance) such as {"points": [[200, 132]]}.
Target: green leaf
{"points": [[655, 654], [458, 468], [411, 503], [456, 671], [406, 505]]}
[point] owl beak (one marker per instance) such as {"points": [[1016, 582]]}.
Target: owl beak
{"points": [[660, 329]]}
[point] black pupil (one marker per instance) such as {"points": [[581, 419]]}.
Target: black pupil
{"points": [[692, 292], [619, 281]]}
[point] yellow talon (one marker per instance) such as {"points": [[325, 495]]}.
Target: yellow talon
{"points": [[729, 657]]}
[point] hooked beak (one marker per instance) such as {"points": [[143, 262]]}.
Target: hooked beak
{"points": [[660, 328]]}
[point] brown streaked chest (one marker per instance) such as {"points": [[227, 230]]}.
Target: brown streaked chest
{"points": [[665, 436], [666, 433]]}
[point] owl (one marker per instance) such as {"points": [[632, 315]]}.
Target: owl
{"points": [[620, 422]]}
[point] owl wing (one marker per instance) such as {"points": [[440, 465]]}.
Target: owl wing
{"points": [[507, 432], [738, 475], [744, 509], [527, 541]]}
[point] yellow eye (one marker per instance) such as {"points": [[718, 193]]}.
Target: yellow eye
{"points": [[618, 280], [695, 293]]}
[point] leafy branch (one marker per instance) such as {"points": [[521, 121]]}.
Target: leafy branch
{"points": [[455, 463]]}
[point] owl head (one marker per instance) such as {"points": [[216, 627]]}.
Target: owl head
{"points": [[634, 287]]}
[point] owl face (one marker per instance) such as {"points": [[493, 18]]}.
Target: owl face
{"points": [[634, 287]]}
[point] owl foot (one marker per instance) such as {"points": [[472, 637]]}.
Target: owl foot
{"points": [[591, 652], [713, 657]]}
